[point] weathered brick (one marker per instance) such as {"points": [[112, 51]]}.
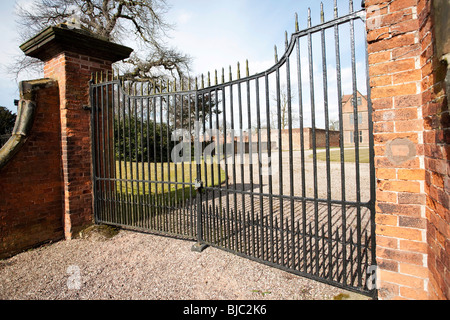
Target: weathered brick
{"points": [[414, 246], [401, 256], [411, 198], [383, 173], [394, 42], [411, 174], [402, 4], [386, 219], [400, 232], [400, 209], [394, 90], [413, 293], [379, 57], [386, 196], [392, 67]]}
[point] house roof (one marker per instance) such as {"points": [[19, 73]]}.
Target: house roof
{"points": [[346, 97]]}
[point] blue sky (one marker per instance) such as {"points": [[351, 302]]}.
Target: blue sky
{"points": [[215, 33]]}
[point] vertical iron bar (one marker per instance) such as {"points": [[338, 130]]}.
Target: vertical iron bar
{"points": [[327, 141], [191, 212], [280, 159], [93, 146], [155, 169], [137, 205], [291, 161], [103, 167], [132, 211], [163, 185], [142, 206], [119, 152], [113, 155], [260, 244], [108, 154], [269, 166], [241, 147], [225, 135], [175, 210], [125, 103], [211, 141], [341, 144], [218, 157], [149, 197], [203, 144], [143, 179], [358, 185], [313, 125], [168, 183], [233, 139], [199, 173], [183, 195], [250, 148], [302, 150]]}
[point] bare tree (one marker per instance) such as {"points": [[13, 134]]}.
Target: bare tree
{"points": [[283, 115], [334, 124], [114, 20]]}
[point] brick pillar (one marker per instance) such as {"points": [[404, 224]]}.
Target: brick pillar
{"points": [[71, 56], [402, 77], [435, 60]]}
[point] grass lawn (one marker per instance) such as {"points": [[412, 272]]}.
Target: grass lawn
{"points": [[165, 172], [349, 155]]}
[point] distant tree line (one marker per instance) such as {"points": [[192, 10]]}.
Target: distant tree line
{"points": [[7, 121], [142, 141]]}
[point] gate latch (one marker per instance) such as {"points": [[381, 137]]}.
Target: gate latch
{"points": [[198, 185]]}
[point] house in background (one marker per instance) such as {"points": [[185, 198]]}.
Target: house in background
{"points": [[348, 118]]}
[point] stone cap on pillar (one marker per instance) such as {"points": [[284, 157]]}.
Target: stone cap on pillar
{"points": [[56, 39]]}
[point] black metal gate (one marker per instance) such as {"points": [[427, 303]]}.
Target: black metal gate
{"points": [[277, 166]]}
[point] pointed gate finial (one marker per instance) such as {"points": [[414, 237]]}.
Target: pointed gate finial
{"points": [[276, 54], [335, 9], [309, 17], [322, 14], [286, 42], [238, 70]]}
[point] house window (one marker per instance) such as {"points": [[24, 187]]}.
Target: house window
{"points": [[352, 136], [358, 101], [352, 120]]}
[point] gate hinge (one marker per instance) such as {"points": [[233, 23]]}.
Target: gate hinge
{"points": [[87, 108]]}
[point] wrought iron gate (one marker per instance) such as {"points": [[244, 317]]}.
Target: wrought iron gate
{"points": [[277, 166]]}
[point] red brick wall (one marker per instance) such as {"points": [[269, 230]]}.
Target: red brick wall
{"points": [[437, 156], [73, 72], [31, 183], [395, 76], [410, 117]]}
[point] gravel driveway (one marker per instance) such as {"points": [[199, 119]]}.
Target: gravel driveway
{"points": [[134, 265]]}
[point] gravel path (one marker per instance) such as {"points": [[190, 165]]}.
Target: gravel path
{"points": [[133, 266]]}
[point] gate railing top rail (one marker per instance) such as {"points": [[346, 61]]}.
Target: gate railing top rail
{"points": [[191, 85]]}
